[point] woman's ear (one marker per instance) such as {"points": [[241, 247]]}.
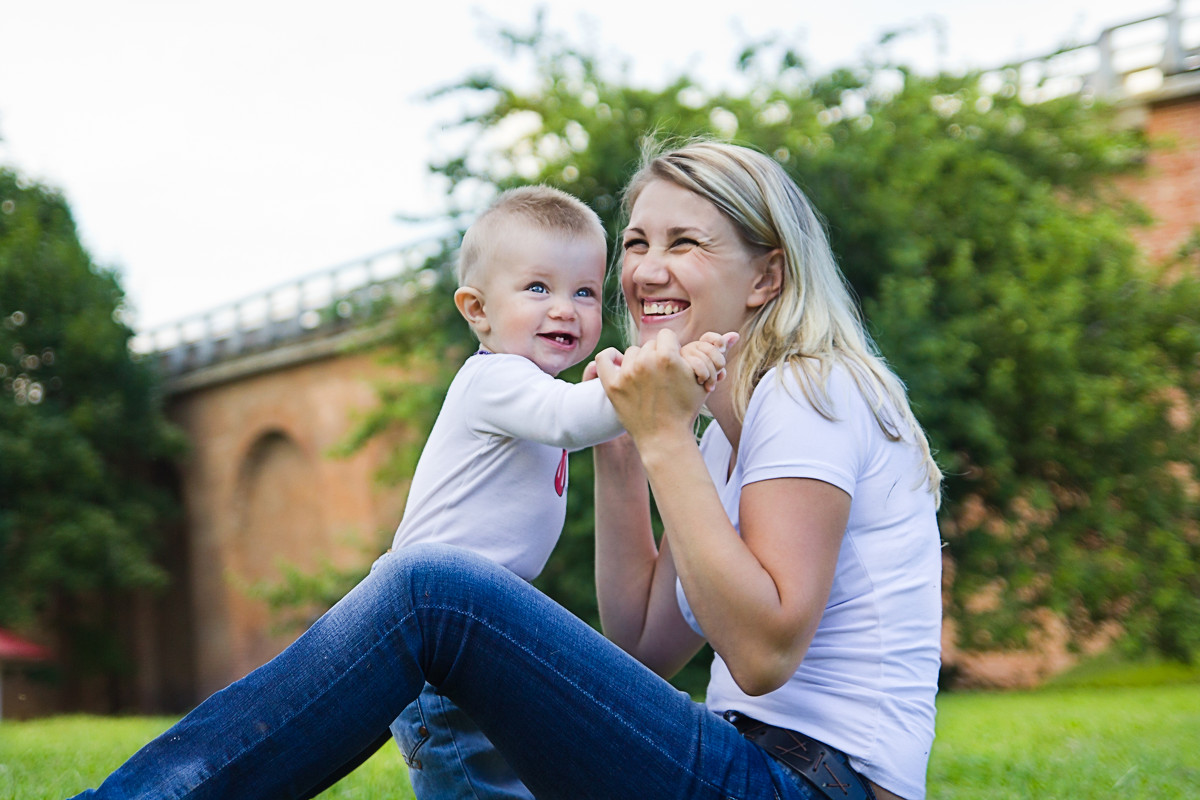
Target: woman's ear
{"points": [[469, 302], [770, 279]]}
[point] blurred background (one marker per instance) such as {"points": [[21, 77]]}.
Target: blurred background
{"points": [[225, 326], [210, 150]]}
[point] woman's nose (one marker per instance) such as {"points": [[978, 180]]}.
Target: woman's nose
{"points": [[650, 269]]}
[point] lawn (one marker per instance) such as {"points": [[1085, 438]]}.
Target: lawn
{"points": [[1096, 742], [1102, 739]]}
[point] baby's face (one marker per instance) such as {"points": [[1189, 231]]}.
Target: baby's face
{"points": [[542, 297]]}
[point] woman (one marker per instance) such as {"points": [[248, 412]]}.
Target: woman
{"points": [[800, 537]]}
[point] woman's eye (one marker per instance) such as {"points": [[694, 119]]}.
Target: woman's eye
{"points": [[683, 241], [537, 287], [634, 244]]}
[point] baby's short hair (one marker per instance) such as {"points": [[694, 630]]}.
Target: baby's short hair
{"points": [[544, 207]]}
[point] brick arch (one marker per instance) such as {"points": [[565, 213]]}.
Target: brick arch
{"points": [[276, 517], [260, 486]]}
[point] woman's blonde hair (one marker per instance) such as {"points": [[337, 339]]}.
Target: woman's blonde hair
{"points": [[814, 321]]}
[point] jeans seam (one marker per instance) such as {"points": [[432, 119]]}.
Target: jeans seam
{"points": [[325, 691]]}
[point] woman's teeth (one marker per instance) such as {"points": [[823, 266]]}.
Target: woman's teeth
{"points": [[661, 309]]}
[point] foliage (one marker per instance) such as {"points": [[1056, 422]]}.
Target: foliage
{"points": [[1056, 373], [1112, 669], [80, 430]]}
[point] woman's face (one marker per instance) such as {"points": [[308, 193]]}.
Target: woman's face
{"points": [[686, 268]]}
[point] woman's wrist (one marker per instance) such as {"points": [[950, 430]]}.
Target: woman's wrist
{"points": [[665, 446]]}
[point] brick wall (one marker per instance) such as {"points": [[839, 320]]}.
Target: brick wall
{"points": [[261, 489], [1170, 187]]}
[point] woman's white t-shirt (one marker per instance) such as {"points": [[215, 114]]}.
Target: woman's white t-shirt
{"points": [[868, 680]]}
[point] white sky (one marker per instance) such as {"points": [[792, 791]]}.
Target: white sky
{"points": [[210, 149]]}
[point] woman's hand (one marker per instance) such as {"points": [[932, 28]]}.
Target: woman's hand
{"points": [[706, 355], [653, 388]]}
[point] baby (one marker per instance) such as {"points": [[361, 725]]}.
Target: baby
{"points": [[492, 476]]}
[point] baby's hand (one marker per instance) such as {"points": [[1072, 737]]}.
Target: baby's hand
{"points": [[706, 357], [592, 371]]}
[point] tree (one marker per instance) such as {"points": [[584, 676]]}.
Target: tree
{"points": [[80, 429], [1055, 371]]}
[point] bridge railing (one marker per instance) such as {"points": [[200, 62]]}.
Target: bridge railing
{"points": [[1134, 58], [312, 305]]}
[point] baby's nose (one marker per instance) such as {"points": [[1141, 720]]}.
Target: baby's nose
{"points": [[562, 308]]}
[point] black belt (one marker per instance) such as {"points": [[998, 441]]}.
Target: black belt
{"points": [[826, 768]]}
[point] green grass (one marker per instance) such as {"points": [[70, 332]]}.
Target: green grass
{"points": [[1072, 741], [1128, 742], [55, 758]]}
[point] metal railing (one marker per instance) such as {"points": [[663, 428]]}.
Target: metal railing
{"points": [[312, 305], [1126, 60]]}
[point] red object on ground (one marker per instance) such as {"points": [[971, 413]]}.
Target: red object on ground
{"points": [[14, 648]]}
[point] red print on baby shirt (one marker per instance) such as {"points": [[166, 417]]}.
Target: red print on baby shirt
{"points": [[560, 475]]}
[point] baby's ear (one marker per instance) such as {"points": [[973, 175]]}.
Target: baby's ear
{"points": [[469, 302]]}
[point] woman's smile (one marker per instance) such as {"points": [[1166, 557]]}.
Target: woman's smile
{"points": [[663, 308], [685, 266]]}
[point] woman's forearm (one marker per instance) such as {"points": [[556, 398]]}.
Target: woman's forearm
{"points": [[635, 578], [736, 597], [625, 547]]}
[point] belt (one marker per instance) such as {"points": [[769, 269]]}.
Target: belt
{"points": [[826, 768]]}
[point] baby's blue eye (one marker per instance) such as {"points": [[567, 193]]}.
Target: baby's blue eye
{"points": [[538, 287], [585, 293]]}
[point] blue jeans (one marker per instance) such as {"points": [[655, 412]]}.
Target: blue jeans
{"points": [[575, 716], [448, 756]]}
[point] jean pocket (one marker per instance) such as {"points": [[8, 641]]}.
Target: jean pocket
{"points": [[411, 732]]}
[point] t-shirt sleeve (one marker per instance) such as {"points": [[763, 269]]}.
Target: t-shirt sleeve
{"points": [[510, 396], [784, 436]]}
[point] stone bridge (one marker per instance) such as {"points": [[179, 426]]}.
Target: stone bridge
{"points": [[265, 388]]}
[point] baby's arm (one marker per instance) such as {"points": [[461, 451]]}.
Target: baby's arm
{"points": [[511, 396], [706, 356]]}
